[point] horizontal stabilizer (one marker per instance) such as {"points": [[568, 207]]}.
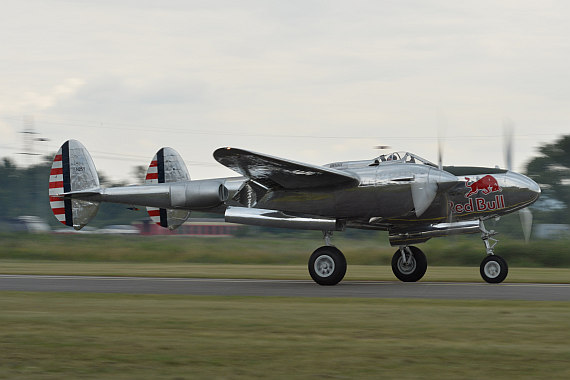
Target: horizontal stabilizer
{"points": [[274, 172], [81, 193]]}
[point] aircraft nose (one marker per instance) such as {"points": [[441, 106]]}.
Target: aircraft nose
{"points": [[528, 190], [533, 186]]}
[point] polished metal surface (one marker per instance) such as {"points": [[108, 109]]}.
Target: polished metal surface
{"points": [[422, 233], [272, 218], [167, 166], [197, 195], [273, 171], [190, 195], [73, 170]]}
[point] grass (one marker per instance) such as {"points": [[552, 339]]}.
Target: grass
{"points": [[260, 271], [54, 336], [120, 336], [285, 257], [284, 250]]}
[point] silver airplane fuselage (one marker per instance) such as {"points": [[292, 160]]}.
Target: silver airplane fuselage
{"points": [[383, 196]]}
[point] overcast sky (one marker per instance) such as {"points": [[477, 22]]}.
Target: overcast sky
{"points": [[314, 81]]}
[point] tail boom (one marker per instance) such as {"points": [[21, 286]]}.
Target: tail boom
{"points": [[189, 195]]}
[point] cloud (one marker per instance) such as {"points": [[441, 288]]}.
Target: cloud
{"points": [[163, 72], [33, 101]]}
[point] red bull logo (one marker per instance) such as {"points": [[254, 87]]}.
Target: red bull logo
{"points": [[487, 185]]}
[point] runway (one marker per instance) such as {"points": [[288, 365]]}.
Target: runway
{"points": [[285, 288]]}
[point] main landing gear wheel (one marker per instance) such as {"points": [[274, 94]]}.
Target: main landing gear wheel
{"points": [[494, 269], [327, 265], [413, 267]]}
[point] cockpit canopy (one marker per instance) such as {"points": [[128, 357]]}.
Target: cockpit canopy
{"points": [[385, 159], [402, 158]]}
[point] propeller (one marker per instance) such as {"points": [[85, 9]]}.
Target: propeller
{"points": [[439, 154], [508, 127], [441, 128], [525, 214], [526, 221]]}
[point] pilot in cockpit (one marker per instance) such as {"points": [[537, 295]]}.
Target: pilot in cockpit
{"points": [[393, 157]]}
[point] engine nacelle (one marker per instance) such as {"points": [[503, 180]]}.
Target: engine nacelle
{"points": [[199, 194]]}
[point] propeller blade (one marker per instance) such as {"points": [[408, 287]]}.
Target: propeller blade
{"points": [[526, 221], [508, 127], [439, 155], [441, 128]]}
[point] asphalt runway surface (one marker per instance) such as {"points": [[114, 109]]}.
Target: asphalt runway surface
{"points": [[285, 288]]}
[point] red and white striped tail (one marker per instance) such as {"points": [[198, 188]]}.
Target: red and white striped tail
{"points": [[72, 170], [56, 187], [167, 166]]}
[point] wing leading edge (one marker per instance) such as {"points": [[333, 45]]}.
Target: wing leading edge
{"points": [[274, 172]]}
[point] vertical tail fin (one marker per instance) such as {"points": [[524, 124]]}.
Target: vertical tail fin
{"points": [[167, 166], [72, 170]]}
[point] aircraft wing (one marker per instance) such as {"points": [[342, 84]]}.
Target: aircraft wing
{"points": [[274, 172]]}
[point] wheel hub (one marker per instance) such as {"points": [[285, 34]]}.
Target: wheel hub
{"points": [[492, 269], [324, 265], [409, 267]]}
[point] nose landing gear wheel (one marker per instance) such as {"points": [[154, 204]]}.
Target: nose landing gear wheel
{"points": [[327, 265], [413, 268], [494, 269]]}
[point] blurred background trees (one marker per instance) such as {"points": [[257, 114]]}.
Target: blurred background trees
{"points": [[551, 169]]}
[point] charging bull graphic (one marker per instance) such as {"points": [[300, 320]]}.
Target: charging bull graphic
{"points": [[488, 184]]}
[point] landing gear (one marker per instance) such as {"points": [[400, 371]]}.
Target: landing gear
{"points": [[494, 268], [327, 265], [409, 264]]}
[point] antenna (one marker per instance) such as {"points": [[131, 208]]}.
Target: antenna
{"points": [[30, 137], [29, 133]]}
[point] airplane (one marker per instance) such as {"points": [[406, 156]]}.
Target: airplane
{"points": [[410, 197]]}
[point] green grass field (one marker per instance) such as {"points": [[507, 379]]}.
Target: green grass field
{"points": [[288, 249], [56, 336], [260, 271], [120, 336], [274, 257]]}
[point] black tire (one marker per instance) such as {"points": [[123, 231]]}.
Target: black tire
{"points": [[327, 265], [413, 271], [494, 269]]}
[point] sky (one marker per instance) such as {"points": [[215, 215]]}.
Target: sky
{"points": [[312, 81]]}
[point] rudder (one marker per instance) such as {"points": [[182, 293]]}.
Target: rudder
{"points": [[167, 166], [72, 170]]}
